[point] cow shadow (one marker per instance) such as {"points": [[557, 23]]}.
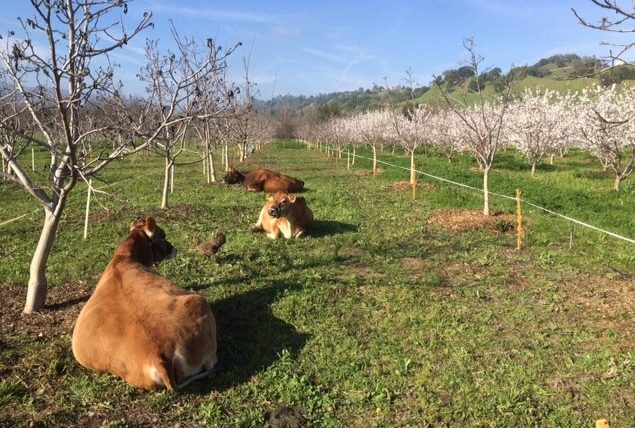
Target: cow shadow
{"points": [[321, 228], [250, 337]]}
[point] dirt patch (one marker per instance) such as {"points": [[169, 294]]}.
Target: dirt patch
{"points": [[405, 186], [413, 264], [62, 308], [184, 211], [464, 220], [367, 172], [286, 417], [604, 302]]}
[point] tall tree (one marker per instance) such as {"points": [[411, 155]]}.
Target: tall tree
{"points": [[483, 121], [56, 85], [608, 129], [175, 83]]}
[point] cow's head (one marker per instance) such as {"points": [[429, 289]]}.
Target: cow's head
{"points": [[233, 176], [280, 204], [161, 248]]}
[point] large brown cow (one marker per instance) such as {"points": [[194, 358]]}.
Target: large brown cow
{"points": [[138, 325], [284, 214], [262, 179]]}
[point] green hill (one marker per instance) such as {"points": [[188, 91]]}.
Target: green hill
{"points": [[562, 73]]}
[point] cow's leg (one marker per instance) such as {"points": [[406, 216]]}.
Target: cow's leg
{"points": [[258, 226], [275, 233]]}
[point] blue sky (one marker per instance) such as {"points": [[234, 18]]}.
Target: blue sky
{"points": [[302, 47]]}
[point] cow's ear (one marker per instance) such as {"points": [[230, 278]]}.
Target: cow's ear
{"points": [[150, 226], [137, 222], [291, 198]]}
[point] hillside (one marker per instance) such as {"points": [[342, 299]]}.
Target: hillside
{"points": [[563, 73]]}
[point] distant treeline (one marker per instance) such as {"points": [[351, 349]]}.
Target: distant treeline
{"points": [[556, 67]]}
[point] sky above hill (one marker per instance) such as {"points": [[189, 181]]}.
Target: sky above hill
{"points": [[310, 47]]}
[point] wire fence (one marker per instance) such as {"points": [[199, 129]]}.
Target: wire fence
{"points": [[432, 176], [466, 186], [92, 188]]}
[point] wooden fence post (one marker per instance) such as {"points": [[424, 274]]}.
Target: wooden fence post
{"points": [[90, 190]]}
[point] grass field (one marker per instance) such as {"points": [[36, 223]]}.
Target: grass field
{"points": [[376, 318]]}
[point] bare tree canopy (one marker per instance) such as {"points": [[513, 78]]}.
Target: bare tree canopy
{"points": [[56, 74], [619, 18]]}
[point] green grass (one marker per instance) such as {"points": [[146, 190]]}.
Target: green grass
{"points": [[374, 319]]}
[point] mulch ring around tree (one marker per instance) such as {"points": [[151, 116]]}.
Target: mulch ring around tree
{"points": [[63, 304], [367, 172], [405, 186], [464, 220]]}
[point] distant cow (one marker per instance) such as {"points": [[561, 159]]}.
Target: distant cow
{"points": [[284, 214], [262, 179], [138, 325]]}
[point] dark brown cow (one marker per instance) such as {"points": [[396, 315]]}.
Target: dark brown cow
{"points": [[138, 325], [286, 215], [262, 179]]}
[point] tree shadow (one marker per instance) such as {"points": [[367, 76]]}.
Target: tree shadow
{"points": [[323, 228], [250, 337], [68, 303]]}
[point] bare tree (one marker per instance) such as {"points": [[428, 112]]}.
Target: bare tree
{"points": [[214, 103], [243, 106], [622, 21], [176, 82], [55, 84], [483, 122]]}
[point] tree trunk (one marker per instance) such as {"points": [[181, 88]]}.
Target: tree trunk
{"points": [[486, 191], [226, 157], [38, 286], [241, 149], [353, 160], [551, 159], [533, 169], [413, 173], [374, 160], [211, 171], [618, 182]]}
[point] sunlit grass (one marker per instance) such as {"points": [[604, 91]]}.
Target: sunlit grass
{"points": [[374, 319]]}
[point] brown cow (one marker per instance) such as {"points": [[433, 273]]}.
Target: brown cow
{"points": [[284, 214], [262, 179], [138, 325]]}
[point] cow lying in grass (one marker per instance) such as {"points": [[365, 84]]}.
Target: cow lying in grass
{"points": [[284, 214], [138, 325], [262, 179]]}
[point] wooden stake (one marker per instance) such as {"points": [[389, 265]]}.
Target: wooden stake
{"points": [[32, 159], [519, 221], [348, 159], [90, 190], [414, 190]]}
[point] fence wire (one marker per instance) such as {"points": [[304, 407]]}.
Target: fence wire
{"points": [[524, 201]]}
